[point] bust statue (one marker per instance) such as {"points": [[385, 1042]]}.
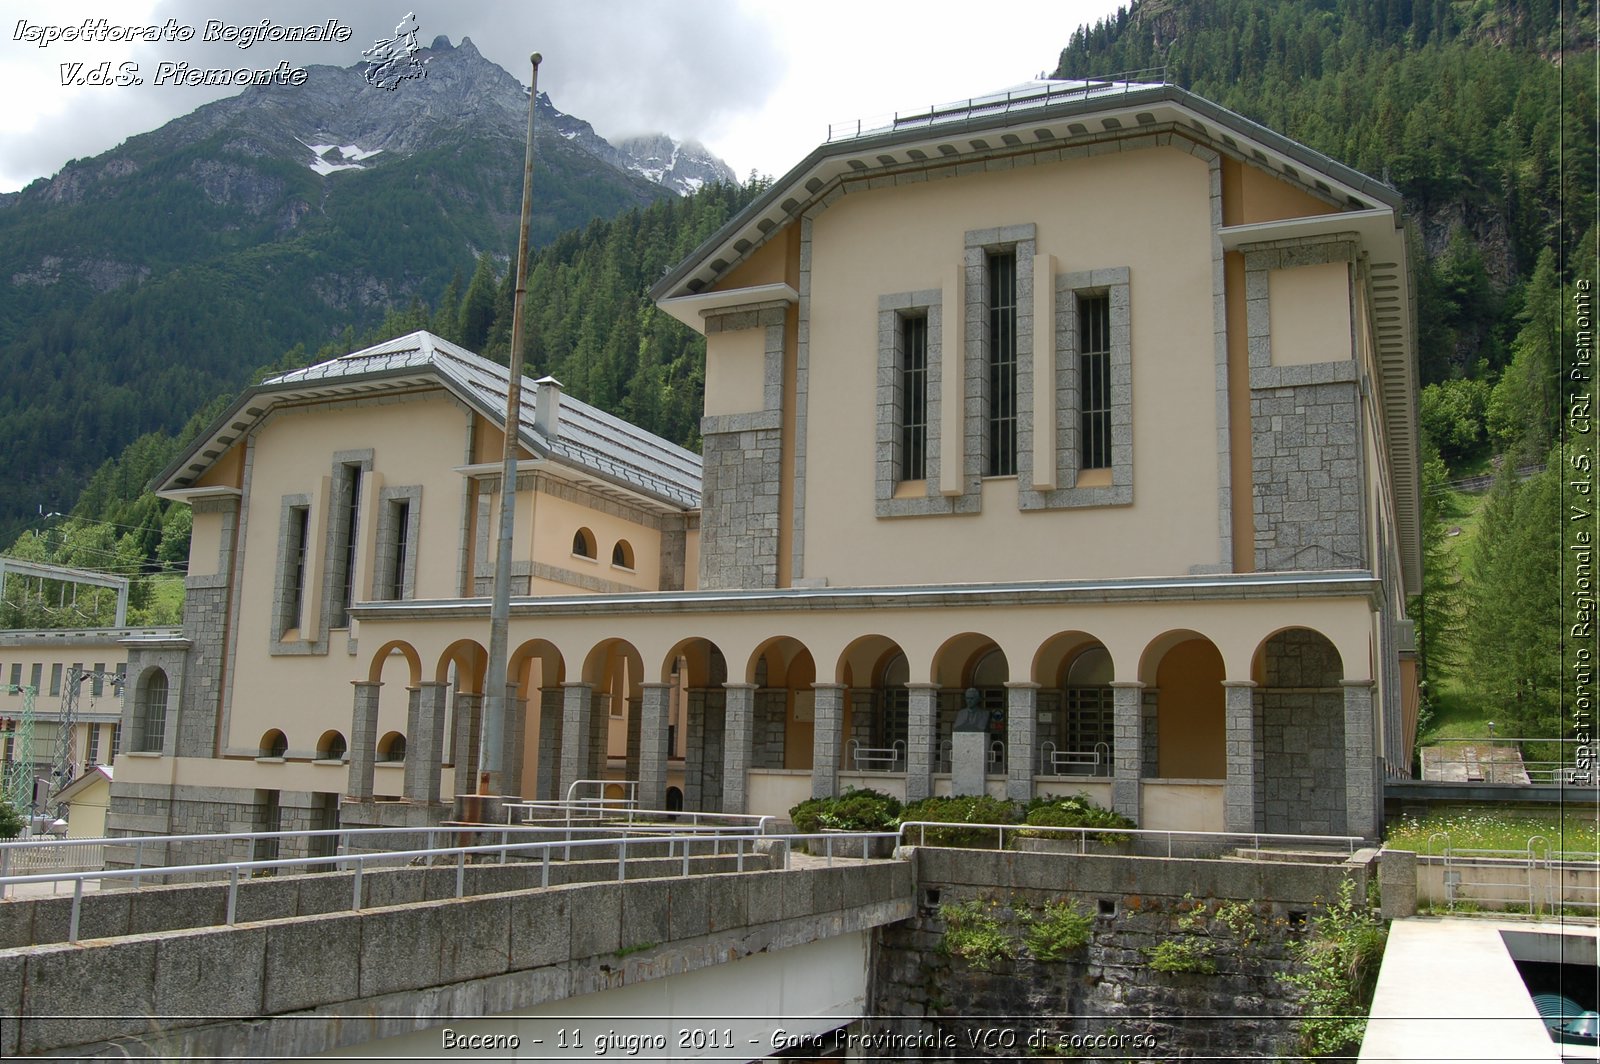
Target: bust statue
{"points": [[973, 717]]}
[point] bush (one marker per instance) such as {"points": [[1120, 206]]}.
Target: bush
{"points": [[973, 933], [1055, 930], [1341, 959], [1078, 811], [1187, 954], [11, 821], [854, 810], [965, 809]]}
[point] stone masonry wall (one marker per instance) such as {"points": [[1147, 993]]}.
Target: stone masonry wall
{"points": [[1300, 768], [1107, 988], [739, 508], [1306, 453]]}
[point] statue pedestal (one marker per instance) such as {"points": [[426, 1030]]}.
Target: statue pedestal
{"points": [[968, 760]]}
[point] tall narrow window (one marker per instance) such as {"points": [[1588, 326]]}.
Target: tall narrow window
{"points": [[1094, 380], [55, 678], [97, 682], [295, 556], [1002, 276], [150, 713], [16, 674], [116, 739], [93, 757], [914, 396], [350, 497], [401, 518]]}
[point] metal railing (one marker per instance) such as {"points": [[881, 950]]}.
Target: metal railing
{"points": [[1474, 764], [1537, 876], [1028, 98], [743, 847], [1165, 839]]}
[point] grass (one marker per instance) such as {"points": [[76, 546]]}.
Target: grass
{"points": [[1573, 832]]}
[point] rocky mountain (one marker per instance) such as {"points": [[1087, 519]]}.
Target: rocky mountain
{"points": [[685, 167], [138, 284]]}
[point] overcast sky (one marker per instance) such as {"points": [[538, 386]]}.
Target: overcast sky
{"points": [[757, 81]]}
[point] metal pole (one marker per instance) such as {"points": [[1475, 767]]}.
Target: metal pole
{"points": [[490, 779]]}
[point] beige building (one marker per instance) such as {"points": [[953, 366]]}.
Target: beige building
{"points": [[72, 673], [1099, 401]]}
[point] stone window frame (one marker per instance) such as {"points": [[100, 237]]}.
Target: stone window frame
{"points": [[1114, 282], [893, 310], [978, 245], [290, 509], [389, 539], [149, 719], [344, 502]]}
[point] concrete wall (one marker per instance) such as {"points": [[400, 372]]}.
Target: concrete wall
{"points": [[346, 978]]}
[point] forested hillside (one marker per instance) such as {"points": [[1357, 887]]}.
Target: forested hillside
{"points": [[590, 324]]}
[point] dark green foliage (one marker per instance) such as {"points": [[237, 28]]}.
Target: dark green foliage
{"points": [[1514, 623], [1055, 931], [1074, 811], [1341, 958], [854, 810], [963, 809], [11, 821], [974, 933]]}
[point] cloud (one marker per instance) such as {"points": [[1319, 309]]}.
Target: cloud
{"points": [[626, 66]]}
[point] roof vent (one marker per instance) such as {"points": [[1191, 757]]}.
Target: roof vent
{"points": [[547, 407]]}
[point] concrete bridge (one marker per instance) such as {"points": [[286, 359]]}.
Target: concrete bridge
{"points": [[159, 972]]}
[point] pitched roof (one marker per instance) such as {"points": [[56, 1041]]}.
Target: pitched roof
{"points": [[586, 437]]}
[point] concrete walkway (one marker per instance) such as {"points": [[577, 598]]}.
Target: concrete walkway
{"points": [[1449, 991]]}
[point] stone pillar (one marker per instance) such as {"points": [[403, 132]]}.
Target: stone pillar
{"points": [[549, 776], [737, 745], [630, 709], [1022, 724], [655, 704], [363, 738], [827, 736], [425, 742], [694, 753], [515, 732], [464, 744], [1238, 716], [599, 736], [922, 731], [574, 734], [1127, 752], [1361, 790]]}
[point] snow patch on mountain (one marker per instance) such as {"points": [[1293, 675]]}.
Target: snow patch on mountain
{"points": [[353, 154]]}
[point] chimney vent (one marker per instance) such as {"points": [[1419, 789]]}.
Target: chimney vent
{"points": [[547, 407]]}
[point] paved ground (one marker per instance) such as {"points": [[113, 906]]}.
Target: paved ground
{"points": [[1484, 762]]}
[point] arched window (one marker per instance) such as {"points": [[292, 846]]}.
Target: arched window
{"points": [[150, 713], [392, 747], [1090, 717], [274, 744], [331, 747], [622, 555], [583, 543]]}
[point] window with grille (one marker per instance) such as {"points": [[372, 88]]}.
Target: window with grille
{"points": [[1002, 307], [1094, 377], [150, 714], [349, 530], [295, 568], [914, 397]]}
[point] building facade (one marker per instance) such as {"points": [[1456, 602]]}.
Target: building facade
{"points": [[1098, 400]]}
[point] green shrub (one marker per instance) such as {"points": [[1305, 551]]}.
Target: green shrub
{"points": [[965, 809], [1186, 954], [854, 810], [1077, 811], [11, 821], [1055, 930], [974, 933], [1340, 958]]}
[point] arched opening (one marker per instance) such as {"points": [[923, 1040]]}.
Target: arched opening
{"points": [[332, 746], [150, 712], [1190, 739], [1077, 718], [674, 799], [972, 662], [274, 744], [584, 545], [1299, 727], [392, 748], [622, 554]]}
